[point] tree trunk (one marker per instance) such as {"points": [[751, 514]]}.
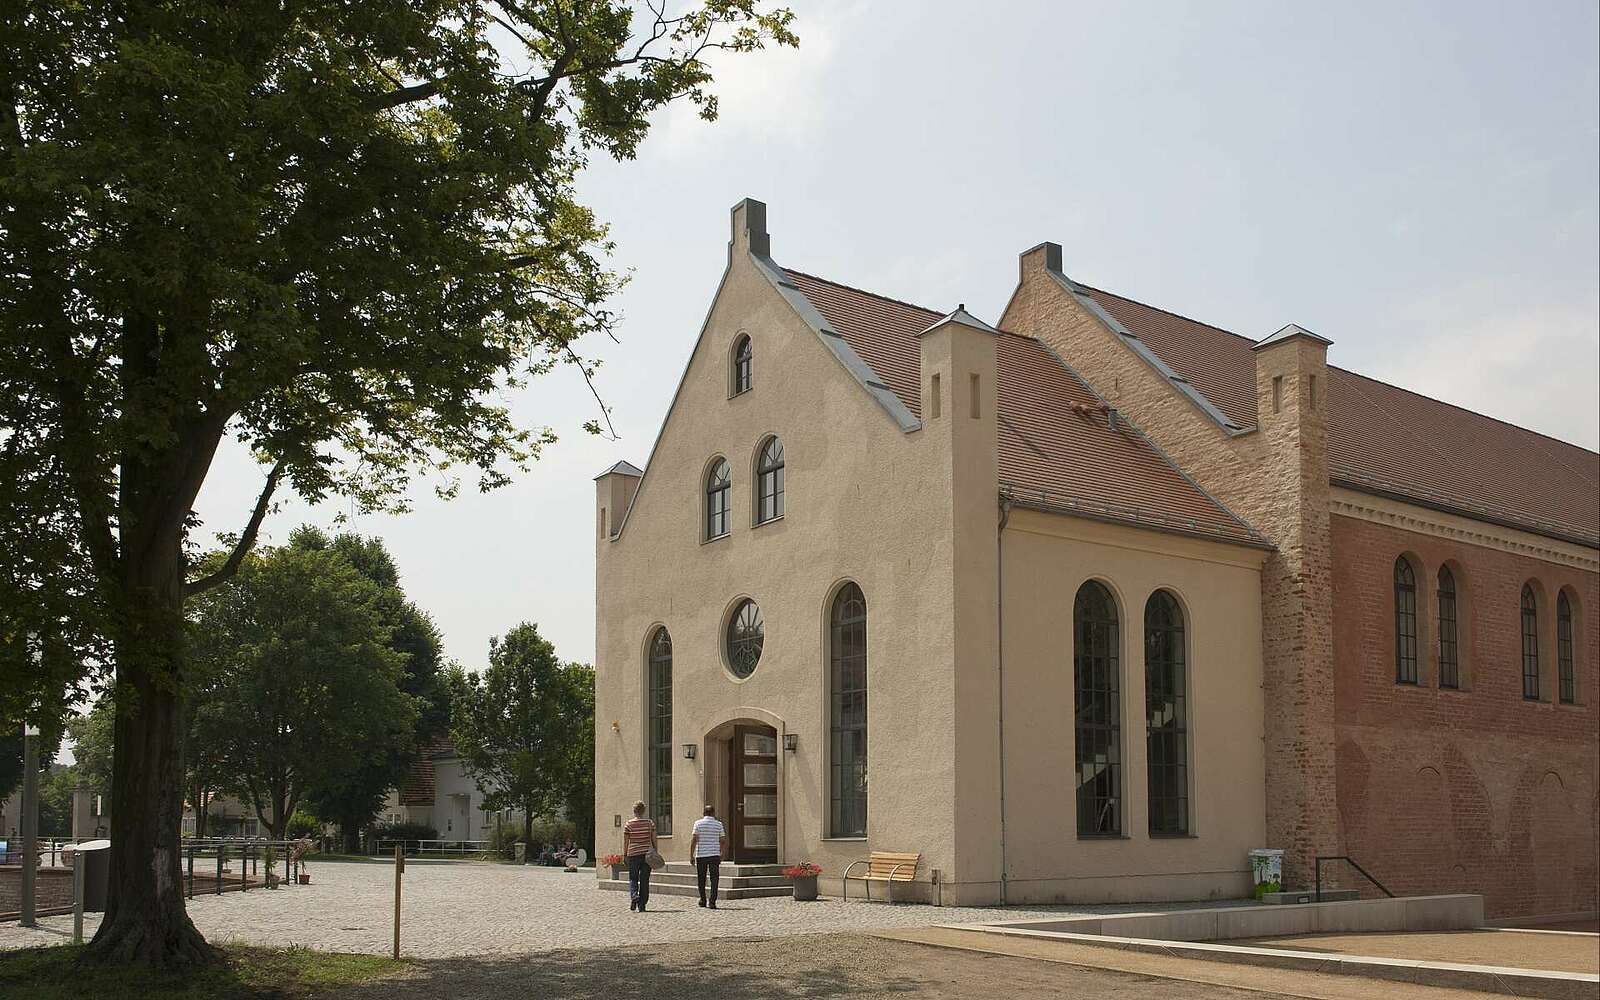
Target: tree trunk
{"points": [[145, 921]]}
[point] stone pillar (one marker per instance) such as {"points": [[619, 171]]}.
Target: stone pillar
{"points": [[82, 802], [1291, 507]]}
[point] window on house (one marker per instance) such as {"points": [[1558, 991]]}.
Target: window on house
{"points": [[719, 487], [1449, 637], [1405, 622], [847, 680], [1567, 679], [742, 359], [769, 481], [1097, 714], [1166, 705], [1530, 644], [746, 635], [660, 706]]}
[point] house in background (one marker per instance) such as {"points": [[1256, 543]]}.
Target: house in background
{"points": [[1085, 605], [438, 792]]}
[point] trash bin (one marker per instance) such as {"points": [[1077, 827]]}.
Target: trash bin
{"points": [[1266, 870], [96, 874], [519, 851]]}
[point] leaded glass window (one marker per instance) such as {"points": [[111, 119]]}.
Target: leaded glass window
{"points": [[1097, 713], [847, 680], [719, 487], [1530, 644], [769, 481], [1567, 679], [742, 361], [746, 634], [1449, 631], [1166, 704], [660, 749], [1405, 622]]}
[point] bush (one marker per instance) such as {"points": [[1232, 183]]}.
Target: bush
{"points": [[502, 839], [406, 831], [302, 824], [545, 831]]}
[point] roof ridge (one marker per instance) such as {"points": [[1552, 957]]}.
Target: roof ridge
{"points": [[1169, 312], [862, 291]]}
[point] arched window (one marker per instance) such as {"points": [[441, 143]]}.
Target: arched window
{"points": [[1405, 622], [746, 634], [742, 358], [1098, 717], [847, 685], [769, 481], [1566, 669], [1530, 644], [719, 487], [1449, 638], [1166, 707], [660, 708]]}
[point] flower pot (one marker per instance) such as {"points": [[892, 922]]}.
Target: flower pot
{"points": [[805, 888], [619, 871], [305, 878]]}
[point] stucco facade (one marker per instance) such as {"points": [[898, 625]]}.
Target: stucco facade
{"points": [[970, 638]]}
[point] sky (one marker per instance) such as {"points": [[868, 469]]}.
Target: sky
{"points": [[1418, 182]]}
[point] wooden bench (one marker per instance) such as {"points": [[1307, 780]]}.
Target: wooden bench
{"points": [[882, 866]]}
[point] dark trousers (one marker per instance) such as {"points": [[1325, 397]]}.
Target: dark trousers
{"points": [[638, 879], [713, 865]]}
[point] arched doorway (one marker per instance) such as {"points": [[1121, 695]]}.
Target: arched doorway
{"points": [[743, 780]]}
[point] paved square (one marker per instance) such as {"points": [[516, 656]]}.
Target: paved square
{"points": [[457, 910]]}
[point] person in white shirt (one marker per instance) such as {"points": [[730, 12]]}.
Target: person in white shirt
{"points": [[707, 845]]}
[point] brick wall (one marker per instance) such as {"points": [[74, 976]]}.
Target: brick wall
{"points": [[1471, 790]]}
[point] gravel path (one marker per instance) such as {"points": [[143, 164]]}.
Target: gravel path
{"points": [[459, 910]]}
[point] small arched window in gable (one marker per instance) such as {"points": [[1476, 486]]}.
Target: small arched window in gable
{"points": [[769, 481], [1405, 622], [719, 488], [743, 358], [1530, 643]]}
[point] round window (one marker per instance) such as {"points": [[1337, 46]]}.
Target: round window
{"points": [[745, 635]]}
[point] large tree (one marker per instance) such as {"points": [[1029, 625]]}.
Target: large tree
{"points": [[333, 231], [523, 726], [299, 678]]}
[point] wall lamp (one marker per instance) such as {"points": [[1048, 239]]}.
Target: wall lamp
{"points": [[688, 751], [791, 742]]}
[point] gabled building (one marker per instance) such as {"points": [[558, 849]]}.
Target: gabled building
{"points": [[1085, 605]]}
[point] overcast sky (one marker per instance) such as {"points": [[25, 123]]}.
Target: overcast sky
{"points": [[1415, 181]]}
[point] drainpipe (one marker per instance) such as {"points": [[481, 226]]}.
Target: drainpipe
{"points": [[1000, 673]]}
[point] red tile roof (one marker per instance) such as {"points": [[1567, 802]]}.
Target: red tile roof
{"points": [[1058, 448], [418, 788], [1389, 440]]}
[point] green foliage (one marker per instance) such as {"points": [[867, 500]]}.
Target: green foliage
{"points": [[299, 681], [406, 831], [302, 824], [55, 801], [523, 726], [91, 735]]}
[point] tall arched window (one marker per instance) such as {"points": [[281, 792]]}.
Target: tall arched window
{"points": [[719, 487], [1166, 707], [1449, 639], [1566, 669], [769, 481], [660, 750], [1097, 713], [847, 684], [1530, 644], [1405, 622], [742, 361]]}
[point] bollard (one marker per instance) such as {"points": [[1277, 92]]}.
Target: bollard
{"points": [[221, 849], [399, 869], [189, 889], [77, 897]]}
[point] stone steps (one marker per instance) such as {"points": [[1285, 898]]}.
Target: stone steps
{"points": [[737, 881], [724, 891]]}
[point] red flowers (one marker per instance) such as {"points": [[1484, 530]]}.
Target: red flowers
{"points": [[611, 859], [804, 869]]}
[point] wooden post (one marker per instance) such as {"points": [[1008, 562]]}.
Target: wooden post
{"points": [[399, 869], [77, 897]]}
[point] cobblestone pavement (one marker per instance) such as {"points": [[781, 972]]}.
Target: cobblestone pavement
{"points": [[458, 910]]}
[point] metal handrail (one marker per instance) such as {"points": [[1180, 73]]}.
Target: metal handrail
{"points": [[1352, 863]]}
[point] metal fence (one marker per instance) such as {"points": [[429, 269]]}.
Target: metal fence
{"points": [[434, 848], [238, 864]]}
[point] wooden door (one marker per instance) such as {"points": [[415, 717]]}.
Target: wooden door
{"points": [[753, 833]]}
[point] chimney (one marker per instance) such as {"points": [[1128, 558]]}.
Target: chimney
{"points": [[1291, 379]]}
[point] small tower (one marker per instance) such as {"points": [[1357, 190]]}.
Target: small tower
{"points": [[613, 492]]}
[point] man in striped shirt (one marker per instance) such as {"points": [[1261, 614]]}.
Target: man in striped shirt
{"points": [[638, 840], [708, 844]]}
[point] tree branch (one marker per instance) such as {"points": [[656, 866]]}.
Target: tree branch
{"points": [[246, 542], [407, 95]]}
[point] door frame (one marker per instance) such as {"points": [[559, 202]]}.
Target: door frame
{"points": [[736, 789]]}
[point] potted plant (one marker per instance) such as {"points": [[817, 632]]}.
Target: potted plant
{"points": [[804, 875], [615, 862], [297, 854], [269, 860]]}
